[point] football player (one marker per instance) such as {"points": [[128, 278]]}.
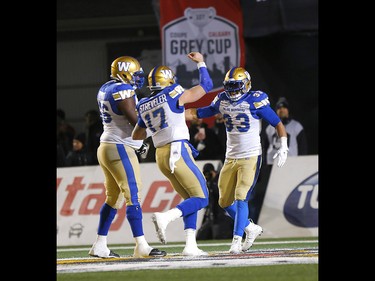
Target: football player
{"points": [[163, 113], [117, 156], [242, 111]]}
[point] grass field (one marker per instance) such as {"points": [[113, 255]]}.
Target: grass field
{"points": [[287, 259]]}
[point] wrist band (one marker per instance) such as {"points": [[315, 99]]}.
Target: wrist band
{"points": [[201, 64], [284, 142]]}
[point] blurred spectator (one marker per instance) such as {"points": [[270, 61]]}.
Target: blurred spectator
{"points": [[297, 144], [216, 223], [60, 157], [78, 156], [204, 140], [221, 133], [94, 129], [65, 132]]}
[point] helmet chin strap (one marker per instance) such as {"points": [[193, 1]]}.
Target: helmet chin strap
{"points": [[121, 79], [235, 97]]}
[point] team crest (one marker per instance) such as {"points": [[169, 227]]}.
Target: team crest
{"points": [[123, 66], [201, 30]]}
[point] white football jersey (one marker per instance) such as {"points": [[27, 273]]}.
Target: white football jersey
{"points": [[162, 115], [116, 128], [243, 139], [242, 121]]}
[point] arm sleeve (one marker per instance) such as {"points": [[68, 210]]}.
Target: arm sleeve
{"points": [[204, 79], [206, 111], [267, 113]]}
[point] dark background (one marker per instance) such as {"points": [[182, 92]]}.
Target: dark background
{"points": [[281, 38]]}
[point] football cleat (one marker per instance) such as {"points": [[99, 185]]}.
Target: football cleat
{"points": [[147, 252], [160, 225], [235, 248], [237, 82], [252, 232], [101, 251], [157, 253], [193, 251]]}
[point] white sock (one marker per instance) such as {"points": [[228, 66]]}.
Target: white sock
{"points": [[141, 240], [173, 214], [102, 239], [190, 237]]}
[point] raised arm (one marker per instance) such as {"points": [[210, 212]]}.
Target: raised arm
{"points": [[205, 82]]}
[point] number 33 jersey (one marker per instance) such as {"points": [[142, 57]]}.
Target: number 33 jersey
{"points": [[242, 121], [163, 116]]}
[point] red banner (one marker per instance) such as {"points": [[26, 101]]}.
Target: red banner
{"points": [[213, 28]]}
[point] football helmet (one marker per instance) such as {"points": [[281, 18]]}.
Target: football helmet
{"points": [[161, 77], [128, 70], [237, 82]]}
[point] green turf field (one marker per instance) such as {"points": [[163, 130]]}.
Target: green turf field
{"points": [[218, 268]]}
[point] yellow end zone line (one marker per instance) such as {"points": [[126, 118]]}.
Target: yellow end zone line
{"points": [[95, 260], [91, 260]]}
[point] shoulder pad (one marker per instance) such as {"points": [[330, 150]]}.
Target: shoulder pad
{"points": [[219, 96], [259, 99], [177, 90], [122, 91], [140, 102], [222, 96]]}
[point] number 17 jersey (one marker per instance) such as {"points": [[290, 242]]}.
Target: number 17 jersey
{"points": [[164, 117]]}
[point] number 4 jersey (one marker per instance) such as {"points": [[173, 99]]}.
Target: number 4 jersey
{"points": [[242, 121], [164, 117]]}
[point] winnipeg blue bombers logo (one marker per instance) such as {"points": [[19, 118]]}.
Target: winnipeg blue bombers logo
{"points": [[123, 66], [201, 30], [167, 73]]}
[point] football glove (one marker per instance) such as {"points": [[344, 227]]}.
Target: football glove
{"points": [[143, 150], [282, 153]]}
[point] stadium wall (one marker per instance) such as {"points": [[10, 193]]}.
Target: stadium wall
{"points": [[290, 206]]}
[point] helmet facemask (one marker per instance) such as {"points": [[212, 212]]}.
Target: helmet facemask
{"points": [[138, 79], [236, 83], [234, 89], [128, 70]]}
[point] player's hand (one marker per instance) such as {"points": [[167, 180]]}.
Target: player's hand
{"points": [[196, 57], [191, 114], [282, 153], [143, 150]]}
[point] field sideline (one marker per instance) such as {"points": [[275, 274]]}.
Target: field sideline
{"points": [[297, 256]]}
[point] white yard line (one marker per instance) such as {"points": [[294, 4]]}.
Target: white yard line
{"points": [[178, 264], [199, 244]]}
